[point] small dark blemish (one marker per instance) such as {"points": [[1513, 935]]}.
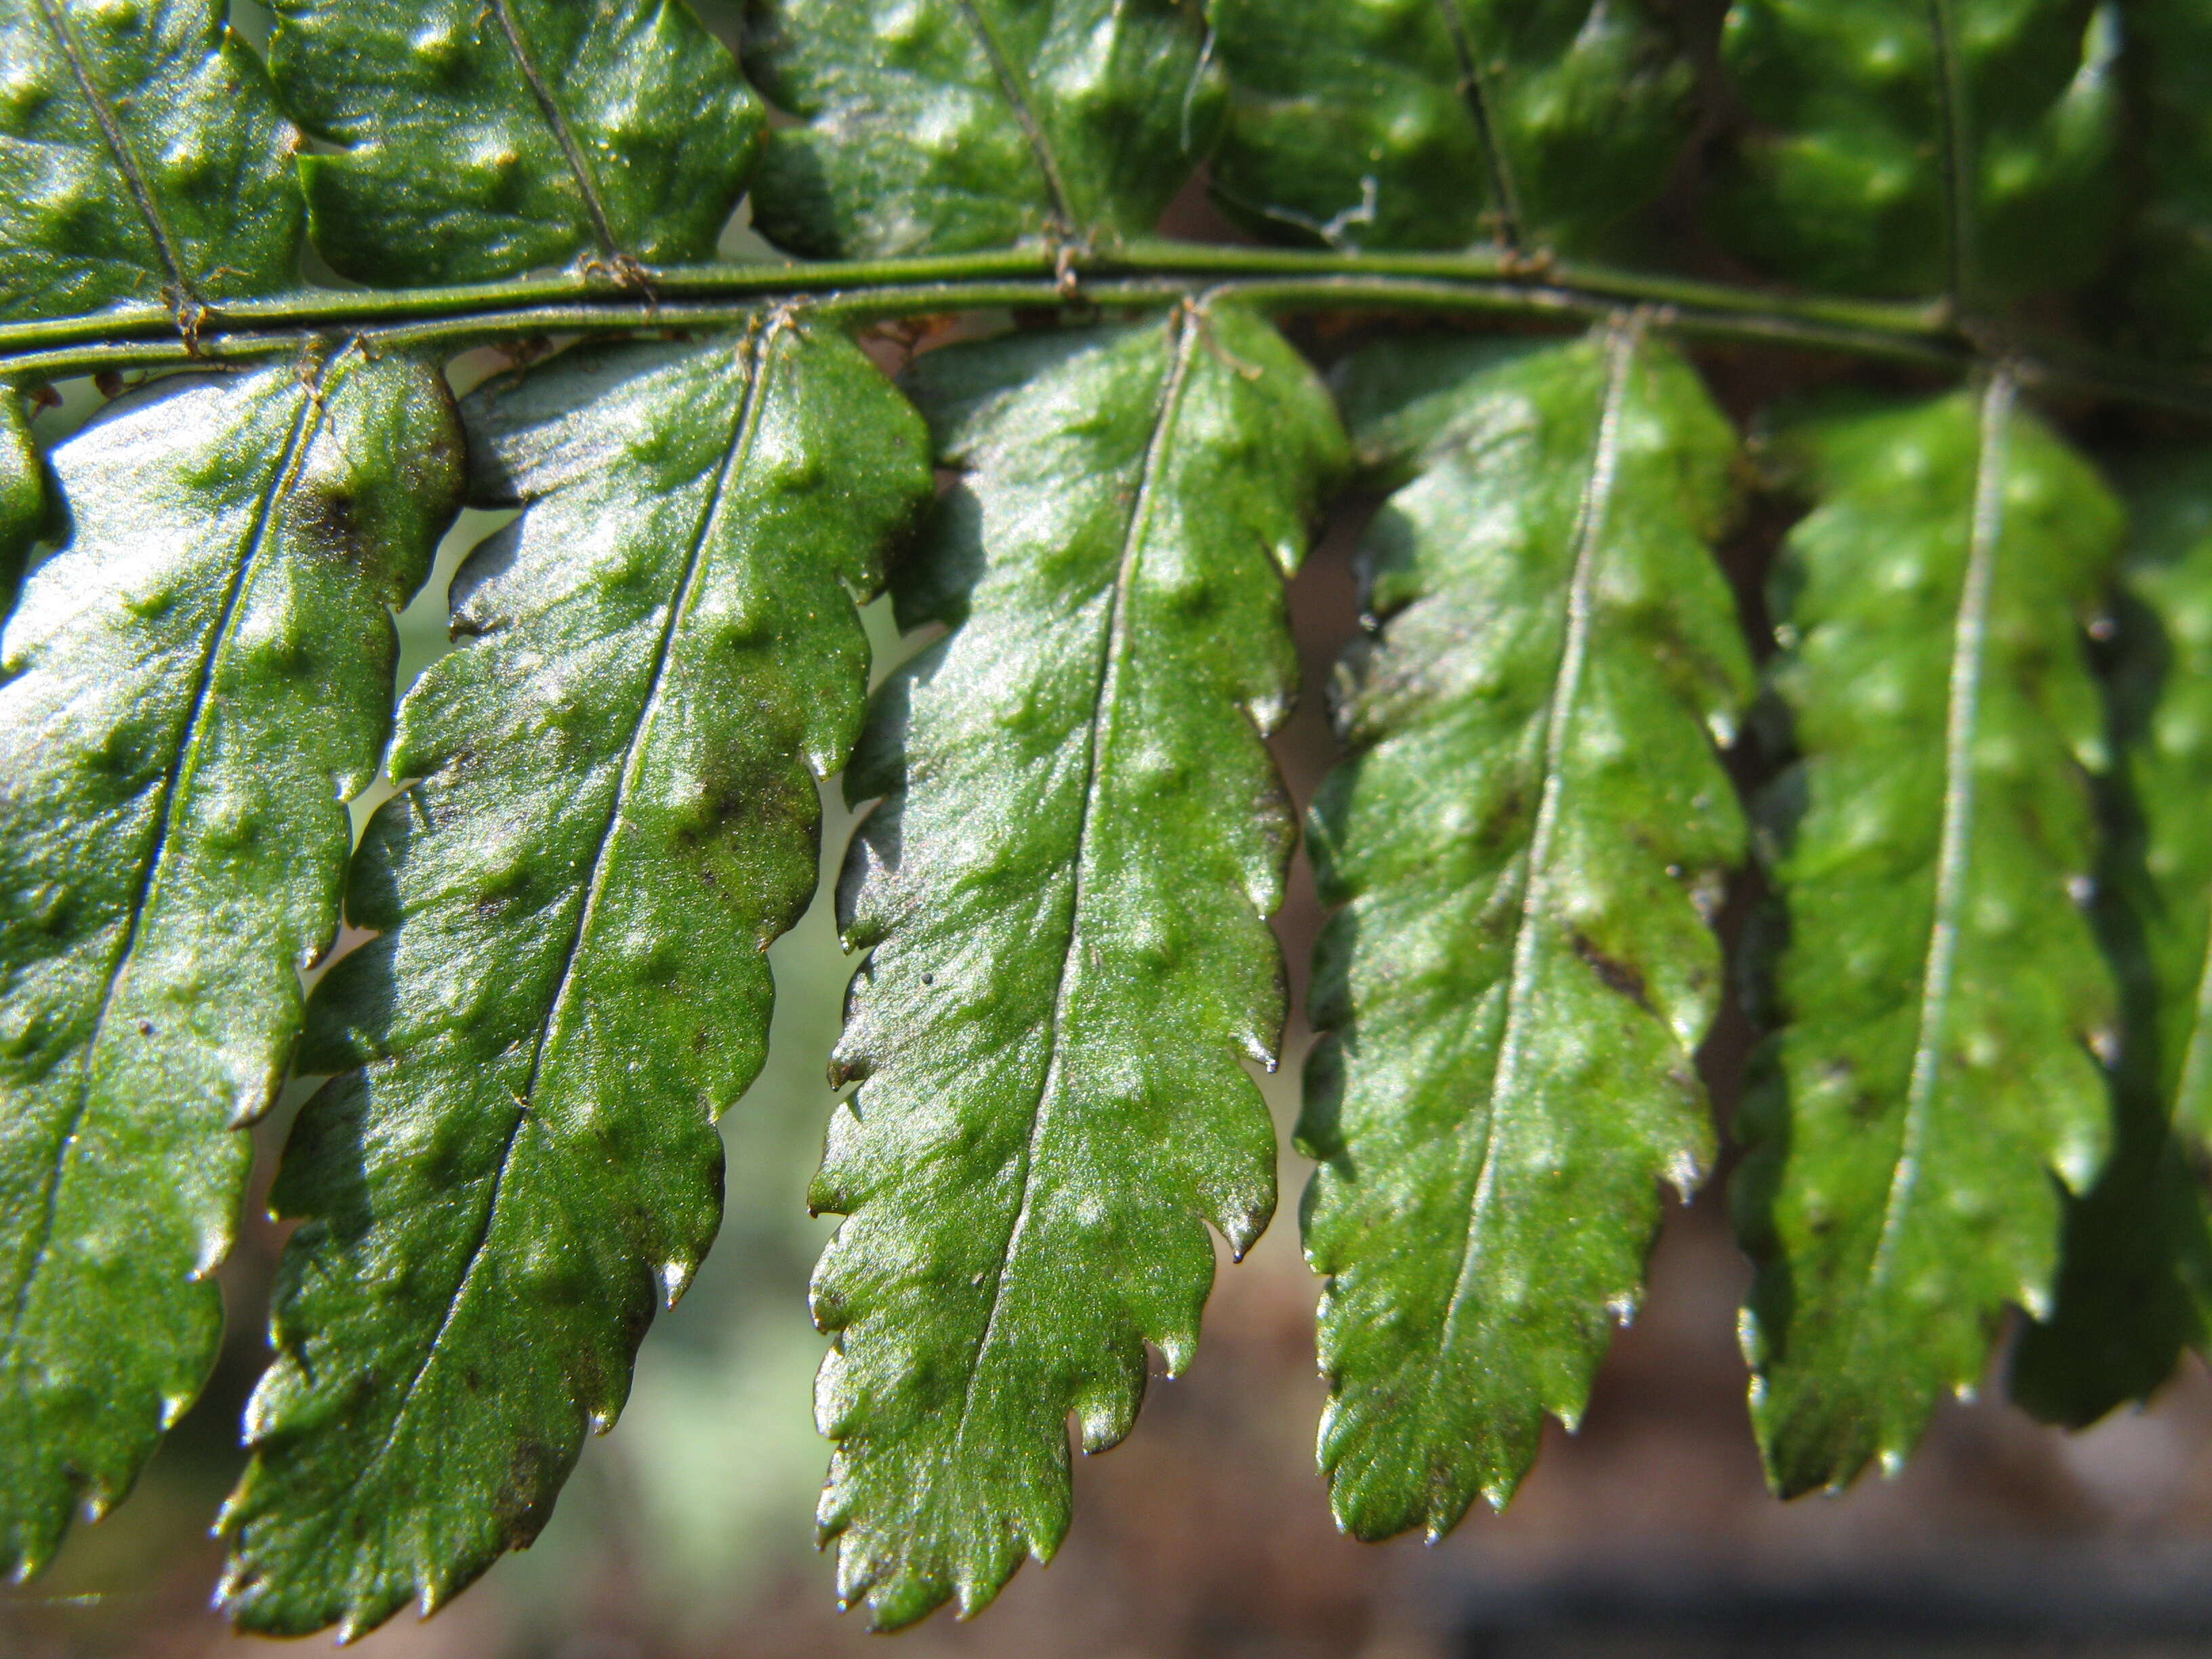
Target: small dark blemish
{"points": [[1618, 975]]}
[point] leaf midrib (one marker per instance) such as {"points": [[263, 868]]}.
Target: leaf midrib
{"points": [[1598, 491], [1475, 94], [1970, 638], [743, 428], [184, 766], [1957, 158], [557, 119], [1113, 646], [1013, 87]]}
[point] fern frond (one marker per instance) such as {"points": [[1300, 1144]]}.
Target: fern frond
{"points": [[142, 157], [1436, 125], [614, 816], [2136, 1284], [1941, 997], [1063, 892], [479, 138], [193, 684], [1965, 146], [933, 127], [1527, 843]]}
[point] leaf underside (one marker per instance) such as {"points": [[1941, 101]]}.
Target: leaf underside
{"points": [[1984, 959], [1063, 891], [1525, 844], [1940, 999], [193, 683], [614, 817]]}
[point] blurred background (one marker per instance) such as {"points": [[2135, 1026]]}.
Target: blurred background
{"points": [[687, 1532]]}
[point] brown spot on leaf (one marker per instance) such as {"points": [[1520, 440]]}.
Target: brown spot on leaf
{"points": [[1616, 974]]}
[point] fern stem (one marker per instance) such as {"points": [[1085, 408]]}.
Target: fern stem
{"points": [[1137, 276]]}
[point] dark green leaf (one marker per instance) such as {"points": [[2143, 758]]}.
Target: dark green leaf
{"points": [[23, 504], [1065, 889], [940, 126], [614, 818], [479, 138], [1527, 844], [141, 158], [1961, 146], [1938, 988], [193, 686], [2165, 693], [2135, 1279], [2167, 283], [2137, 1282], [1435, 124]]}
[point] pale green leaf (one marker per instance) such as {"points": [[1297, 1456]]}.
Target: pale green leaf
{"points": [[613, 815], [193, 684], [1940, 1000], [1527, 844], [1064, 891]]}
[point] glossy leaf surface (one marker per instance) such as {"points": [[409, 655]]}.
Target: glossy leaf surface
{"points": [[141, 158], [935, 126], [2137, 1284], [1064, 890], [1959, 146], [616, 812], [1537, 123], [1527, 843], [24, 507], [192, 686], [1938, 993], [481, 138]]}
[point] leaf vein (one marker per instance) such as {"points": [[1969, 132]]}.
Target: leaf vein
{"points": [[1590, 528], [743, 427], [181, 766], [1477, 97], [126, 159], [557, 120], [1014, 89], [1111, 650], [1957, 162], [1969, 645]]}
